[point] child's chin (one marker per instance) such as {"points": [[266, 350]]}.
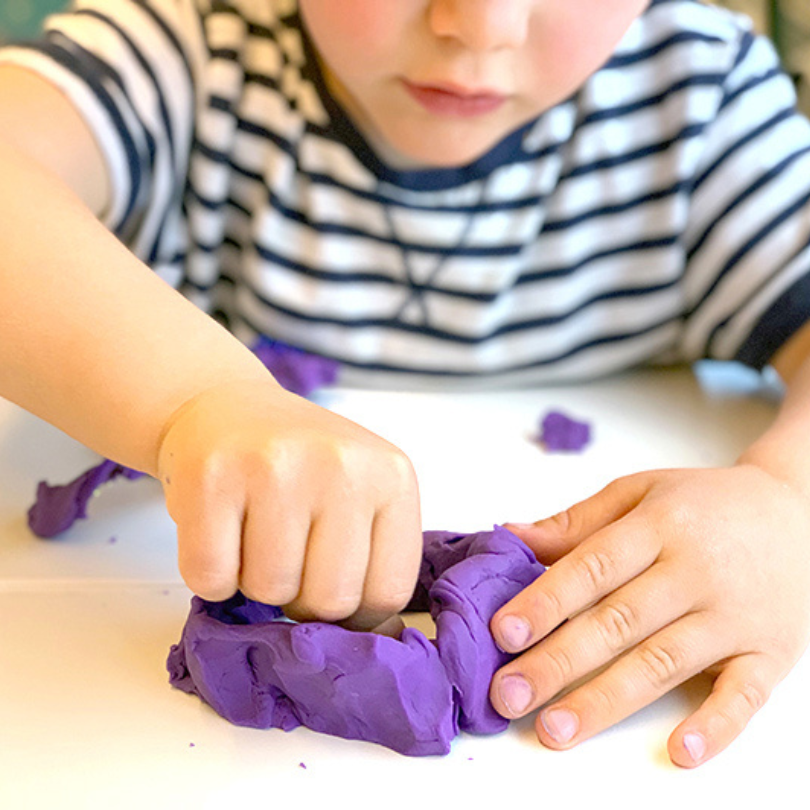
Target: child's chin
{"points": [[432, 155]]}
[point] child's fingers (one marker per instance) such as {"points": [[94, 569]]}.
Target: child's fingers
{"points": [[590, 640], [335, 566], [553, 537], [364, 547], [650, 670], [396, 554], [274, 542], [741, 689], [208, 545], [592, 570]]}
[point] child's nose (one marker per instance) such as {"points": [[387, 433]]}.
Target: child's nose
{"points": [[482, 25]]}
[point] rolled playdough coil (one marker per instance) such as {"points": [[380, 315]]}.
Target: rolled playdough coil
{"points": [[255, 668]]}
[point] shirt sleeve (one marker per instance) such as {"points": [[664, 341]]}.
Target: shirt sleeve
{"points": [[747, 283], [131, 69]]}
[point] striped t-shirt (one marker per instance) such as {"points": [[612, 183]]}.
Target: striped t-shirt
{"points": [[661, 214]]}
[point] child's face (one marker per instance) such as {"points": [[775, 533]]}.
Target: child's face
{"points": [[440, 82]]}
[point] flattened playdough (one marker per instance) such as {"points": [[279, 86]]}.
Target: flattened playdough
{"points": [[256, 668]]}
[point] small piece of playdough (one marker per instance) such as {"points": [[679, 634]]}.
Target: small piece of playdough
{"points": [[256, 668], [57, 508], [559, 432]]}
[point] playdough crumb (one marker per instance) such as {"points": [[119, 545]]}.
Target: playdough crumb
{"points": [[562, 433]]}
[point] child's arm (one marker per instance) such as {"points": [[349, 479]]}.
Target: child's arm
{"points": [[684, 571], [270, 493]]}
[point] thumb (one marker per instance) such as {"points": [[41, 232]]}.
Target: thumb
{"points": [[553, 537]]}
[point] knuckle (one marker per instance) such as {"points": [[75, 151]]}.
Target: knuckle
{"points": [[561, 665], [267, 593], [388, 602], [595, 568], [617, 623], [562, 523], [548, 605], [399, 471], [660, 664], [749, 698], [332, 608], [605, 698], [209, 585]]}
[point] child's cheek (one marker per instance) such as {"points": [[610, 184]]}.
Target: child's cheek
{"points": [[349, 24]]}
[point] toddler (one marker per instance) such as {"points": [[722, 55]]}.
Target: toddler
{"points": [[445, 192]]}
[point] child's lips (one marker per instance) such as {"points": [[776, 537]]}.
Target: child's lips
{"points": [[453, 101]]}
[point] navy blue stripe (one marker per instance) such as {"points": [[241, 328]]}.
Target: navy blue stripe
{"points": [[746, 43], [94, 72], [621, 110], [750, 84], [170, 35], [225, 55], [768, 332], [781, 320], [751, 135], [688, 132], [502, 371], [741, 197], [561, 224], [263, 80], [750, 244], [455, 337], [621, 60], [653, 244], [329, 228], [163, 108]]}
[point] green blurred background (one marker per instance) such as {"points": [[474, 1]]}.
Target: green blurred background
{"points": [[787, 21], [21, 18]]}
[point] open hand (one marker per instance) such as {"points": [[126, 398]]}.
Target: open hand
{"points": [[656, 578]]}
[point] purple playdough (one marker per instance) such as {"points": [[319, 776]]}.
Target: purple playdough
{"points": [[57, 508], [559, 432], [258, 669], [294, 369]]}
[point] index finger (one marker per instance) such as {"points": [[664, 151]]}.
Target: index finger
{"points": [[596, 567], [396, 554]]}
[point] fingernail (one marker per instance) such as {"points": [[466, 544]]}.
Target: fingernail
{"points": [[515, 632], [516, 693], [561, 724], [695, 745]]}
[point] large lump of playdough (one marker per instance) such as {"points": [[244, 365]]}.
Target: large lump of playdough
{"points": [[256, 668], [269, 672]]}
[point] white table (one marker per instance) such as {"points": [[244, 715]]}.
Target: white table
{"points": [[88, 720]]}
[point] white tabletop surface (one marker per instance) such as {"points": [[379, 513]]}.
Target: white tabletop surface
{"points": [[88, 719]]}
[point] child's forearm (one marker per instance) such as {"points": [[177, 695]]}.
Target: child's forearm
{"points": [[91, 340]]}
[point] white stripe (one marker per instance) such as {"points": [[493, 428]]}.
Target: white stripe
{"points": [[96, 117], [742, 323]]}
